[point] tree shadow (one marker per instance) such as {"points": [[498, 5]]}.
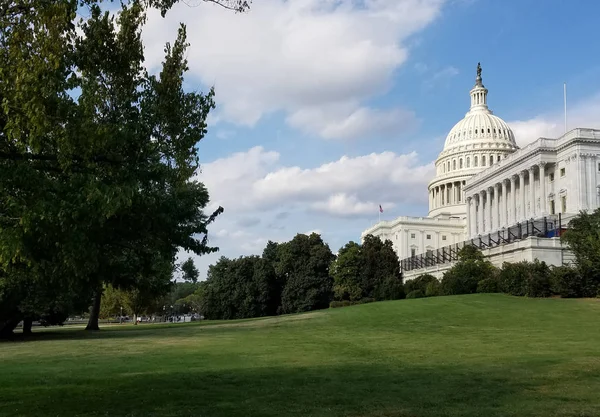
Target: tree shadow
{"points": [[127, 331], [349, 390]]}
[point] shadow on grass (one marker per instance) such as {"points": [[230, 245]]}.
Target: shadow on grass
{"points": [[130, 331], [353, 390]]}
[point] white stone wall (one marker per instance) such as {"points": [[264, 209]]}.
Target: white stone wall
{"points": [[549, 250], [419, 233]]}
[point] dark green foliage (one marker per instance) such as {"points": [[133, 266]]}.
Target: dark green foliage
{"points": [[97, 186], [415, 294], [567, 282], [370, 270], [304, 263], [463, 277], [433, 289], [379, 260], [419, 283], [389, 288], [488, 285], [583, 238], [347, 303], [531, 279], [346, 272], [240, 288], [189, 270]]}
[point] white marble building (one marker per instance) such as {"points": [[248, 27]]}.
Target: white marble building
{"points": [[485, 185]]}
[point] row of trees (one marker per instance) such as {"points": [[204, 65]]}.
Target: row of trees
{"points": [[97, 158], [300, 275], [303, 274]]}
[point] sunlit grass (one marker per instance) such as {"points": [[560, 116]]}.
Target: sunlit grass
{"points": [[479, 355]]}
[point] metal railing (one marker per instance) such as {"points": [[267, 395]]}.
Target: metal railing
{"points": [[546, 227]]}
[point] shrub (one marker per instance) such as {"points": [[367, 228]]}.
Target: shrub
{"points": [[419, 283], [389, 288], [415, 294], [337, 304], [455, 283], [433, 289], [488, 285], [347, 303], [567, 282], [531, 279], [463, 277]]}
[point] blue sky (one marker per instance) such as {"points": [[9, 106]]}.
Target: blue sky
{"points": [[328, 108]]}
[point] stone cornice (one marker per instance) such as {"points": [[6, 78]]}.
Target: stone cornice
{"points": [[529, 152]]}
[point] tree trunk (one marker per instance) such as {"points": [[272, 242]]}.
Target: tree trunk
{"points": [[7, 327], [27, 325], [95, 311]]}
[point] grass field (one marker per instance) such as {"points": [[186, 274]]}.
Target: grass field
{"points": [[477, 355]]}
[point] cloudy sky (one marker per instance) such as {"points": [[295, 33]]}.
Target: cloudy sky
{"points": [[328, 108]]}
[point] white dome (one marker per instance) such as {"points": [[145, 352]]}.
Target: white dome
{"points": [[479, 140], [481, 128]]}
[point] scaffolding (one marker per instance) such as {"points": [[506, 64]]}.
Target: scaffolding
{"points": [[546, 227]]}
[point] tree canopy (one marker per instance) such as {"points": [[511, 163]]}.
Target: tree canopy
{"points": [[97, 157]]}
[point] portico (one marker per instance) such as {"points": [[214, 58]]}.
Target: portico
{"points": [[547, 177]]}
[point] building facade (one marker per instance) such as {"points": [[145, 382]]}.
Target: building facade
{"points": [[486, 186]]}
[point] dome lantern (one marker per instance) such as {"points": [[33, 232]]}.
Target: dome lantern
{"points": [[479, 94]]}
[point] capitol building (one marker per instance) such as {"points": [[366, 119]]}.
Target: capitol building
{"points": [[511, 202]]}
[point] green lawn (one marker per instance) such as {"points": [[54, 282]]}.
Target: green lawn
{"points": [[477, 355]]}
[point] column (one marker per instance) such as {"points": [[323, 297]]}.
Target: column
{"points": [[469, 218], [480, 228], [505, 220], [543, 197], [522, 212], [513, 199], [591, 191], [489, 210], [532, 191], [497, 221], [454, 193]]}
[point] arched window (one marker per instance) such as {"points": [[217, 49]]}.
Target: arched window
{"points": [[454, 164], [491, 160], [460, 163], [475, 162], [483, 161], [488, 130], [468, 162]]}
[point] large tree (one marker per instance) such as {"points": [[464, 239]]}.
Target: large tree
{"points": [[304, 265], [346, 273], [97, 156], [240, 288], [583, 238], [370, 270]]}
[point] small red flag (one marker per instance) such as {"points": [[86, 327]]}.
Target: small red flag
{"points": [[380, 209]]}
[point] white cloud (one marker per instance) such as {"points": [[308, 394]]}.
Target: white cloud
{"points": [[298, 56], [248, 181], [349, 121], [584, 113], [347, 205]]}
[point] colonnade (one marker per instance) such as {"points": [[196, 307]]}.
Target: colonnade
{"points": [[446, 194], [508, 201]]}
